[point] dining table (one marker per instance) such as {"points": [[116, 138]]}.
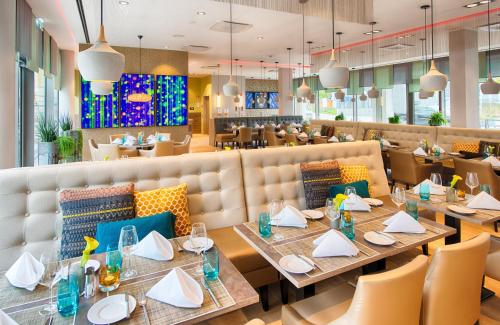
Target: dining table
{"points": [[137, 146], [231, 290]]}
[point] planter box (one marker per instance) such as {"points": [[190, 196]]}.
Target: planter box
{"points": [[77, 136], [47, 153]]}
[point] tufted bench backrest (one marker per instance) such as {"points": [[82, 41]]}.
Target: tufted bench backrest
{"points": [[447, 136], [275, 174], [407, 136], [30, 216]]}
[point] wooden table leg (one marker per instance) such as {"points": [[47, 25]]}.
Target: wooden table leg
{"points": [[374, 267], [306, 292], [264, 297], [284, 291], [454, 223]]}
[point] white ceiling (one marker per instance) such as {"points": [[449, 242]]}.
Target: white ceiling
{"points": [[163, 21]]}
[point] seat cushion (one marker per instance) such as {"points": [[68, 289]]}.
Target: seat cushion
{"points": [[360, 186], [317, 178]]}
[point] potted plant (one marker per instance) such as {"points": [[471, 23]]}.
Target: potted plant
{"points": [[394, 119], [66, 147], [47, 135], [340, 117], [66, 124], [437, 119]]}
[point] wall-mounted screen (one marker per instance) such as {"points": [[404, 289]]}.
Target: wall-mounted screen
{"points": [[261, 100], [273, 100], [98, 111], [249, 99], [133, 113], [171, 100]]}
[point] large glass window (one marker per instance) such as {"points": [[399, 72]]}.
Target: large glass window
{"points": [[394, 101], [423, 108], [489, 110], [367, 110]]}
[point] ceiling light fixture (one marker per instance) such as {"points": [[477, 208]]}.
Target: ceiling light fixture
{"points": [[312, 96], [422, 94], [434, 80], [478, 3], [375, 31], [260, 37], [290, 73], [277, 79], [489, 87], [201, 13], [303, 91], [100, 63], [236, 98], [218, 98], [231, 88], [141, 96], [333, 74], [339, 94], [373, 92], [123, 3], [261, 100]]}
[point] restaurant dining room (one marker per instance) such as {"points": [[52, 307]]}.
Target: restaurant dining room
{"points": [[280, 162]]}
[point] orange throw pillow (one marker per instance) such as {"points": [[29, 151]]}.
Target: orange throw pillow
{"points": [[354, 173], [469, 147]]}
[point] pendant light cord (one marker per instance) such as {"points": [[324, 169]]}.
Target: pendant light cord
{"points": [[140, 54], [333, 24], [373, 60], [340, 54], [290, 76], [231, 33], [218, 76], [432, 29], [102, 10], [489, 40], [425, 36], [303, 42]]}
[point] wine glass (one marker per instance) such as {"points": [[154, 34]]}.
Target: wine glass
{"points": [[198, 241], [275, 208], [436, 179], [52, 264], [398, 195], [472, 181], [126, 245], [349, 190]]}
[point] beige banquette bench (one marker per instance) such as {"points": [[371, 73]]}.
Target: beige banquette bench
{"points": [[224, 189]]}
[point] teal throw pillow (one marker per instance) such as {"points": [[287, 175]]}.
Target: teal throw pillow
{"points": [[360, 186]]}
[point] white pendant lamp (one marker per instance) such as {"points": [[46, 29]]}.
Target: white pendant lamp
{"points": [[102, 88], [303, 91], [373, 92], [277, 78], [490, 87], [231, 88], [339, 94], [261, 100], [363, 96], [139, 97], [334, 74], [434, 80], [423, 94], [100, 62]]}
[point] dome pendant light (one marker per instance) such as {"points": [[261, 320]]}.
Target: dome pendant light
{"points": [[139, 97], [363, 96], [303, 91], [334, 74], [102, 88], [100, 63], [490, 87], [339, 94], [231, 88], [277, 78], [433, 80], [373, 92], [311, 98], [422, 94]]}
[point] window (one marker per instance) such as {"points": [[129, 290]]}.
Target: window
{"points": [[489, 110], [423, 108], [394, 101], [367, 110]]}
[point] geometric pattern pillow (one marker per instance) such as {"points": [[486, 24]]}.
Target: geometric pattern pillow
{"points": [[173, 199], [469, 147], [317, 178], [372, 134], [83, 209], [324, 130], [355, 173]]}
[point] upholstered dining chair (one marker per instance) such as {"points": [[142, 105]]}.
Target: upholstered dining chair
{"points": [[293, 138], [390, 298], [108, 151], [453, 283], [272, 140], [182, 147], [161, 148], [244, 137], [320, 140], [406, 170], [491, 306], [94, 151], [224, 138], [485, 174], [113, 137]]}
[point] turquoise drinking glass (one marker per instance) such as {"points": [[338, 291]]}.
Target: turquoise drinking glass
{"points": [[347, 224], [211, 264], [425, 192], [68, 293], [265, 225], [412, 208], [485, 188]]}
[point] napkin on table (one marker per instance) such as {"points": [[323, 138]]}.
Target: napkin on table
{"points": [[6, 320], [403, 222], [484, 201], [419, 152], [155, 247], [334, 243], [302, 135], [386, 143], [257, 126], [493, 161], [434, 188], [333, 139], [290, 217], [295, 131], [282, 132], [179, 289], [349, 137], [26, 272], [117, 141], [317, 134], [356, 203], [441, 150], [151, 139]]}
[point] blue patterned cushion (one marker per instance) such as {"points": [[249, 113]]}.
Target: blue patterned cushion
{"points": [[83, 209]]}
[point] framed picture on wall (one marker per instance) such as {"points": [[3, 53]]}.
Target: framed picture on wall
{"points": [[99, 111], [136, 113], [171, 100]]}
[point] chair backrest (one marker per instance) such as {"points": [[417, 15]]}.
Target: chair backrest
{"points": [[403, 166], [112, 137], [93, 150], [269, 128], [245, 134], [390, 298], [452, 288], [108, 151], [184, 147], [290, 137], [166, 135], [271, 138], [163, 148], [320, 140], [485, 174], [493, 260]]}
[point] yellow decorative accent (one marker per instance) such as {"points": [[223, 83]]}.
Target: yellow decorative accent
{"points": [[469, 147], [173, 199], [454, 180], [96, 212], [227, 148], [92, 244], [339, 198], [355, 173]]}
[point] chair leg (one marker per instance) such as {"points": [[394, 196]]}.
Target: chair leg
{"points": [[425, 249], [495, 224], [264, 297]]}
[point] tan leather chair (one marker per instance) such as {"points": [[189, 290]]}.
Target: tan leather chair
{"points": [[272, 140], [244, 137], [491, 306], [293, 138], [108, 151], [484, 171], [162, 148], [224, 138], [255, 321], [453, 283], [269, 128], [112, 137], [406, 170], [320, 140], [183, 147], [390, 298], [129, 153], [94, 152]]}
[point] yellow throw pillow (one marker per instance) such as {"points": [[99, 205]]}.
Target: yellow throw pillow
{"points": [[173, 199], [355, 173], [372, 134], [469, 147]]}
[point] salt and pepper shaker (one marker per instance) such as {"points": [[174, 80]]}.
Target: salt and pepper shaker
{"points": [[90, 283]]}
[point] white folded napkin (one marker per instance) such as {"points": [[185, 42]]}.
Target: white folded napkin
{"points": [[6, 320], [333, 139], [282, 132], [419, 152], [234, 127], [117, 141], [441, 150], [179, 289], [334, 243], [303, 135], [26, 272], [349, 137], [295, 131], [273, 125], [356, 203], [155, 247], [257, 125], [434, 188], [493, 161], [386, 143], [290, 217], [317, 134], [403, 222], [484, 201], [151, 139]]}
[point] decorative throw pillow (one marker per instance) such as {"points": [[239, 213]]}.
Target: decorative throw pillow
{"points": [[318, 177], [331, 132], [83, 209], [469, 147], [108, 233], [372, 135], [324, 130], [354, 173], [494, 147], [173, 199], [360, 186]]}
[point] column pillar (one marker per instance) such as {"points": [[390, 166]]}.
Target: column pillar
{"points": [[464, 78], [8, 83], [67, 92], [285, 89]]}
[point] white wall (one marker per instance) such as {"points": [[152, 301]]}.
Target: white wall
{"points": [[67, 91]]}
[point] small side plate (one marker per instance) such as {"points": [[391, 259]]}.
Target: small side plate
{"points": [[378, 239], [294, 264], [110, 309], [460, 209], [313, 214]]}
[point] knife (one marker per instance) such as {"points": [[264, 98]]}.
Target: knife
{"points": [[210, 292], [308, 262], [128, 307]]}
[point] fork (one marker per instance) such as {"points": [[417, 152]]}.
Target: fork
{"points": [[142, 302]]}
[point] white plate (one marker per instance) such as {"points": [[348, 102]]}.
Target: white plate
{"points": [[187, 244], [378, 239], [313, 214], [294, 264], [94, 264], [460, 209], [110, 309], [373, 202], [455, 153]]}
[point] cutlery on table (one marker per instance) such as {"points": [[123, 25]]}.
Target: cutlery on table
{"points": [[210, 292], [142, 303], [308, 262], [179, 246], [389, 237], [127, 303]]}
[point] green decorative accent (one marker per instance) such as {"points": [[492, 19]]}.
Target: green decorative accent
{"points": [[384, 77], [46, 129], [65, 123], [483, 66], [340, 117], [437, 119], [394, 119], [354, 88], [66, 146]]}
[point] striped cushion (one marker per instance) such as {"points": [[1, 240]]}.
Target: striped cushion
{"points": [[318, 177], [83, 209]]}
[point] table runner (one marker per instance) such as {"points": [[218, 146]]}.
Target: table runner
{"points": [[375, 213]]}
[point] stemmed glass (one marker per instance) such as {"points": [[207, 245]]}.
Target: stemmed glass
{"points": [[472, 181], [275, 208], [198, 241], [436, 179], [51, 261], [127, 245], [398, 195]]}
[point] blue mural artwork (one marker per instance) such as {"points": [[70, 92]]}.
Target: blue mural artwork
{"points": [[171, 100], [132, 113], [99, 111]]}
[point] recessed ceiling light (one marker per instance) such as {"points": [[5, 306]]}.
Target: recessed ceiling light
{"points": [[483, 2], [478, 3], [177, 35], [124, 3], [472, 5], [201, 13], [260, 37], [374, 32], [166, 47]]}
